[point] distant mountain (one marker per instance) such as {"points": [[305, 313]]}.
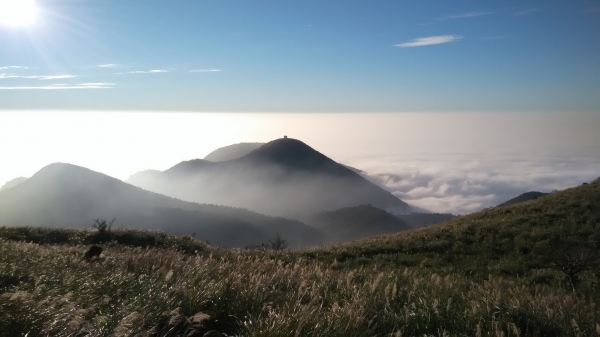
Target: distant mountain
{"points": [[418, 220], [284, 177], [523, 197], [64, 195], [13, 183], [232, 151], [358, 222]]}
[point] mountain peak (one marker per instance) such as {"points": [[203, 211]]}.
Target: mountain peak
{"points": [[295, 154]]}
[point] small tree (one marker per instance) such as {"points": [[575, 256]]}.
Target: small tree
{"points": [[278, 243], [571, 258], [103, 226]]}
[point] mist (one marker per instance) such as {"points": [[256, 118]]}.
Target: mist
{"points": [[443, 162]]}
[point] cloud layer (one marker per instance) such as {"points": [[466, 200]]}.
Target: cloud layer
{"points": [[467, 183], [428, 41]]}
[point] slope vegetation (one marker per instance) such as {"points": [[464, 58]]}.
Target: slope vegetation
{"points": [[469, 276], [501, 240]]}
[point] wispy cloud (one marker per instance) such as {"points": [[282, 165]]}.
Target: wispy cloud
{"points": [[153, 71], [9, 76], [12, 67], [108, 65], [63, 86], [428, 41], [527, 12], [54, 77], [466, 15], [590, 10], [205, 70], [38, 77]]}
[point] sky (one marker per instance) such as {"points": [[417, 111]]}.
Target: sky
{"points": [[453, 106], [304, 56]]}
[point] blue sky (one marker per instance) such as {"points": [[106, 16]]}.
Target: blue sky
{"points": [[304, 56]]}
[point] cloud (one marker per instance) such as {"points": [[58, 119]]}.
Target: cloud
{"points": [[153, 71], [466, 15], [9, 76], [467, 183], [63, 86], [431, 40], [527, 12], [46, 78], [205, 70], [38, 77], [109, 65], [12, 67]]}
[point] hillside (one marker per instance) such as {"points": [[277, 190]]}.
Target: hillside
{"points": [[63, 195], [418, 220], [523, 197], [499, 240], [284, 177], [232, 151], [353, 223], [475, 275]]}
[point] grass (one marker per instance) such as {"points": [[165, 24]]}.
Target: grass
{"points": [[472, 276]]}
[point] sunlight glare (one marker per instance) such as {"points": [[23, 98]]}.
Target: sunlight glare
{"points": [[18, 13]]}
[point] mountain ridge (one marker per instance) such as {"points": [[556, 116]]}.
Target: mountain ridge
{"points": [[65, 195], [284, 177]]}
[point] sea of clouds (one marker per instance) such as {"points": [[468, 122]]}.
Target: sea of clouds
{"points": [[466, 183]]}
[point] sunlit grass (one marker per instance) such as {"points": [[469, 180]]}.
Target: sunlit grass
{"points": [[49, 291], [472, 276]]}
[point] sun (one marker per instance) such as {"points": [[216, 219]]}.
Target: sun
{"points": [[18, 13]]}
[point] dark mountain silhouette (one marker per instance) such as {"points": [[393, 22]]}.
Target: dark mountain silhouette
{"points": [[418, 220], [64, 195], [523, 197], [232, 151], [358, 222], [284, 177], [13, 183]]}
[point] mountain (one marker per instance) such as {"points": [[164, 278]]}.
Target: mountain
{"points": [[357, 222], [523, 197], [284, 177], [232, 151], [13, 183], [64, 195]]}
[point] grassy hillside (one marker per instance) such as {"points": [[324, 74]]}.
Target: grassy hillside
{"points": [[475, 275]]}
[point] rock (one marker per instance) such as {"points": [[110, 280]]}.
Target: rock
{"points": [[93, 251]]}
